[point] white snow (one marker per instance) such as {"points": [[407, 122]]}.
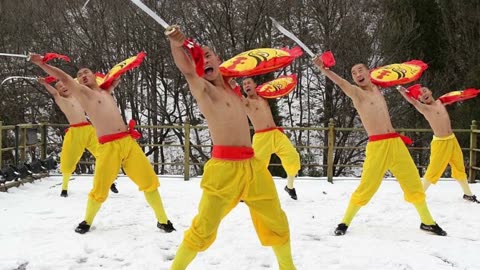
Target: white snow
{"points": [[37, 229]]}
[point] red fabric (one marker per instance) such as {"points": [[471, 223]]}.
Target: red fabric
{"points": [[328, 59], [402, 79], [50, 79], [237, 90], [197, 54], [277, 88], [385, 136], [457, 96], [81, 124], [130, 132], [415, 91], [263, 66], [270, 129], [232, 152], [128, 65], [49, 56]]}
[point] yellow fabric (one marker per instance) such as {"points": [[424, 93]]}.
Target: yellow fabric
{"points": [[111, 156], [275, 142], [76, 140], [92, 209], [444, 151], [183, 258], [65, 180], [465, 187], [284, 256], [154, 200], [224, 183], [350, 213], [425, 215], [391, 154]]}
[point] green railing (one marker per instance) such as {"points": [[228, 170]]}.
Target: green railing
{"points": [[18, 139]]}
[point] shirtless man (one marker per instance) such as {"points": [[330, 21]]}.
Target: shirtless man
{"points": [[79, 136], [385, 149], [232, 173], [445, 148], [269, 138], [117, 146]]}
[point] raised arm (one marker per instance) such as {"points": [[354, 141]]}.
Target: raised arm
{"points": [[417, 104], [184, 62], [49, 88], [346, 87], [53, 71]]}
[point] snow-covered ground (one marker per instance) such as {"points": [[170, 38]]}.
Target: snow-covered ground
{"points": [[36, 229]]}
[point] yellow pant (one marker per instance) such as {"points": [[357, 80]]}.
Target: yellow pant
{"points": [[393, 155], [444, 151], [76, 140], [276, 142], [111, 156], [224, 183]]}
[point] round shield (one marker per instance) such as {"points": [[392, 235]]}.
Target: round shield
{"points": [[396, 74], [279, 87]]}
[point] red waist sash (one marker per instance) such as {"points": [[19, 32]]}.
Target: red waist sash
{"points": [[232, 152], [269, 129], [116, 136], [81, 124], [385, 136]]}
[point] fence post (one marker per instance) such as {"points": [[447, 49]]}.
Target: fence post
{"points": [[43, 135], [17, 145], [473, 153], [330, 144], [186, 155], [1, 144]]}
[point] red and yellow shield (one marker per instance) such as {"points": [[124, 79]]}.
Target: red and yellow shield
{"points": [[456, 96], [396, 74], [120, 69], [279, 87], [259, 61]]}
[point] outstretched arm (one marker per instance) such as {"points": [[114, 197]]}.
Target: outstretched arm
{"points": [[184, 62], [417, 104], [346, 87], [53, 71], [49, 88]]}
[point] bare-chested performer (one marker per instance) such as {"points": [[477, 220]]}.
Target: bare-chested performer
{"points": [[79, 136], [233, 173], [385, 149], [269, 138], [117, 146], [445, 148]]}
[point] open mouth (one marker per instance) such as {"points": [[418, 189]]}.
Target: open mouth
{"points": [[208, 70], [361, 80]]}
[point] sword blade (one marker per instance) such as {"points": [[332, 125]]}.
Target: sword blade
{"points": [[14, 55], [292, 37], [17, 77], [86, 3], [150, 12]]}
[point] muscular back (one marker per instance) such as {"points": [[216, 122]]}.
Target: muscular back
{"points": [[259, 113], [373, 111], [225, 115]]}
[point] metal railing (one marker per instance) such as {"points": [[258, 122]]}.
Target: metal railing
{"points": [[22, 143]]}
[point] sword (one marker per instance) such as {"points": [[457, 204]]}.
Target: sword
{"points": [[152, 14], [27, 57], [18, 77], [292, 37], [86, 3]]}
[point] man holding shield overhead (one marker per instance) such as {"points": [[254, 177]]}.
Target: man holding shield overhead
{"points": [[444, 146], [117, 145], [385, 149], [269, 138], [233, 173]]}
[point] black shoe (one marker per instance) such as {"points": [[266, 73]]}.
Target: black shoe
{"points": [[433, 228], [472, 198], [291, 192], [166, 227], [82, 228], [64, 193], [341, 229], [113, 188]]}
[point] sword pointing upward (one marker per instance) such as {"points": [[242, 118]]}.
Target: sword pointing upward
{"points": [[27, 57], [152, 14], [292, 37]]}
